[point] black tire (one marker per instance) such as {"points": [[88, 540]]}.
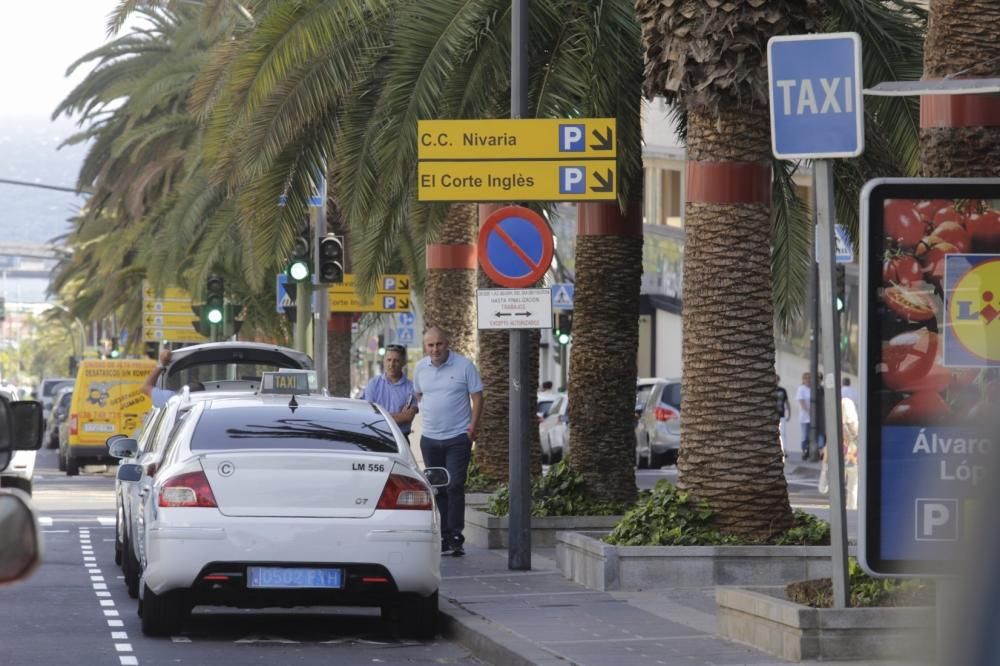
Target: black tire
{"points": [[130, 567], [670, 457], [418, 617], [17, 482], [118, 537], [72, 466], [162, 614], [62, 462], [656, 460]]}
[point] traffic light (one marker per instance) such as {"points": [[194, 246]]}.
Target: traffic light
{"points": [[564, 327], [215, 300], [330, 260], [299, 266], [840, 288]]}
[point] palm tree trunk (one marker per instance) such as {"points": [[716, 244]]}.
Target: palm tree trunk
{"points": [[605, 342], [450, 292], [339, 354], [730, 456], [960, 134], [492, 446]]}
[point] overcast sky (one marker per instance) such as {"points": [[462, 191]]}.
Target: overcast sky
{"points": [[39, 39]]}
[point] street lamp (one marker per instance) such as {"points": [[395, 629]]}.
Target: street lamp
{"points": [[83, 331]]}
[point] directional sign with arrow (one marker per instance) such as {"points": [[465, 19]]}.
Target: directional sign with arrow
{"points": [[523, 139], [505, 309], [562, 180]]}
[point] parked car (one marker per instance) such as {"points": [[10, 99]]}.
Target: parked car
{"points": [[553, 431], [272, 500], [544, 401], [658, 428], [61, 402], [643, 386], [46, 391]]}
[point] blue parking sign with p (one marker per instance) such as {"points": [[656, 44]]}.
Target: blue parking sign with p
{"points": [[571, 138], [572, 180]]}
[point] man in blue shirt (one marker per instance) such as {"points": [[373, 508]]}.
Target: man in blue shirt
{"points": [[450, 395], [392, 390]]}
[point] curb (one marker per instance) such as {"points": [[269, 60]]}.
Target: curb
{"points": [[491, 642]]}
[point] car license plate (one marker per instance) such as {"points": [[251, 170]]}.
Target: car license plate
{"points": [[297, 577]]}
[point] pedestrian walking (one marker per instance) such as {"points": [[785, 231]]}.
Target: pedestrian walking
{"points": [[851, 427], [392, 390], [802, 397], [784, 413], [450, 397]]}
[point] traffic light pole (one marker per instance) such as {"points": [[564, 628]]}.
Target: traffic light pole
{"points": [[322, 303], [303, 315]]}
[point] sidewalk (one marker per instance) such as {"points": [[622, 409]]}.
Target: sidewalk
{"points": [[538, 617]]}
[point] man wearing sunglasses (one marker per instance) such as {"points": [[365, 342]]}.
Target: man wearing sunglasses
{"points": [[392, 390]]}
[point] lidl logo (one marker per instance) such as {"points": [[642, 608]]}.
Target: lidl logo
{"points": [[972, 304]]}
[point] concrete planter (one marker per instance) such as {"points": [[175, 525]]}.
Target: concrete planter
{"points": [[486, 531], [764, 619], [585, 559]]}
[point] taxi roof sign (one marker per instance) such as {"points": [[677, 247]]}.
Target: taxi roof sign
{"points": [[285, 383]]}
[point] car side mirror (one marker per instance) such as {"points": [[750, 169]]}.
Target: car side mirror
{"points": [[438, 477], [124, 447], [26, 421], [129, 472], [20, 537], [114, 438]]}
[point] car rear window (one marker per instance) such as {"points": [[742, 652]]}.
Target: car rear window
{"points": [[672, 395], [642, 395], [283, 427], [50, 387]]}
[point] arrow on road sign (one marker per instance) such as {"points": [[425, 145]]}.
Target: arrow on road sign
{"points": [[607, 184], [404, 303], [503, 314], [603, 142], [522, 314], [403, 283]]}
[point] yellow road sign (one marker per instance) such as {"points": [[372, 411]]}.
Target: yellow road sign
{"points": [[389, 284], [380, 303], [593, 180], [176, 307], [525, 139], [158, 334], [158, 320]]}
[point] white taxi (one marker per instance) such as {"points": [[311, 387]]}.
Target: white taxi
{"points": [[286, 499]]}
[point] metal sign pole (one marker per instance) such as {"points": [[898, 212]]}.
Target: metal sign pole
{"points": [[519, 549], [823, 182], [322, 306]]}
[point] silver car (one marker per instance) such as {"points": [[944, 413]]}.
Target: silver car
{"points": [[658, 428]]}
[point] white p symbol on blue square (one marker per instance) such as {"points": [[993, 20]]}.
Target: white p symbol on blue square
{"points": [[571, 139], [571, 180], [388, 302]]}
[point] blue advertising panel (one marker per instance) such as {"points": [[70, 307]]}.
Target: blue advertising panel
{"points": [[817, 108], [930, 368]]}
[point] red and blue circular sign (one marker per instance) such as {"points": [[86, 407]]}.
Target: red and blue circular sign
{"points": [[515, 247]]}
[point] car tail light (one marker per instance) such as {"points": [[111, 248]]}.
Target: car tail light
{"points": [[188, 489], [73, 425], [666, 414], [404, 492]]}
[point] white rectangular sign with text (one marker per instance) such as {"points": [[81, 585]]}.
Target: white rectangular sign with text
{"points": [[504, 309]]}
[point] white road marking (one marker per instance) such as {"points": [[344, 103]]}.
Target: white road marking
{"points": [[100, 586], [55, 531], [129, 661], [119, 636], [103, 594], [97, 579], [116, 623], [46, 521], [106, 521], [107, 602], [180, 639], [111, 613], [123, 647]]}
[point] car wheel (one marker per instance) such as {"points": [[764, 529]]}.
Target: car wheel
{"points": [[162, 614], [118, 537], [72, 466], [18, 482], [130, 568], [670, 457], [418, 617]]}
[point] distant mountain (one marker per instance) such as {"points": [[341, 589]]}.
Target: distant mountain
{"points": [[28, 153]]}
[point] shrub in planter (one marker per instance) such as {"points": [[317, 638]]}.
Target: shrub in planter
{"points": [[865, 591], [671, 517], [476, 481], [558, 493]]}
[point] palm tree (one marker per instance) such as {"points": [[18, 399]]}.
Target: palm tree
{"points": [[955, 47], [711, 65]]}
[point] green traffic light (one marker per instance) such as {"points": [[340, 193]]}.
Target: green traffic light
{"points": [[214, 316], [115, 353], [298, 270], [563, 339]]}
